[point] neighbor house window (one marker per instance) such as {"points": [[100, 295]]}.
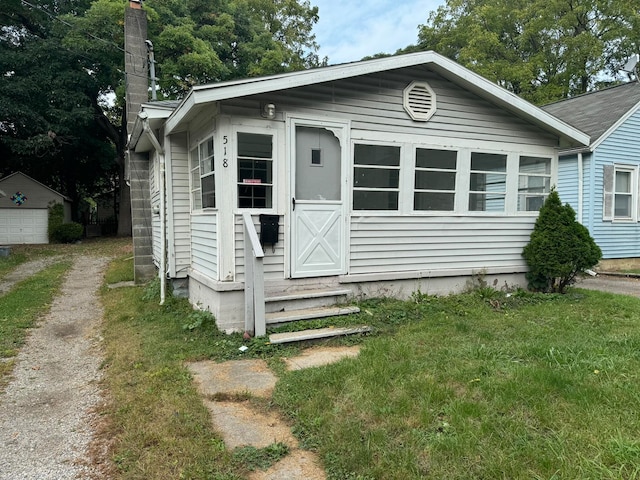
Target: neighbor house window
{"points": [[255, 170], [534, 183], [623, 194], [488, 182], [203, 183], [376, 177], [435, 180]]}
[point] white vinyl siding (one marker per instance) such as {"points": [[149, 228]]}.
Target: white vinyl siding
{"points": [[156, 232], [204, 244], [179, 248], [273, 254], [401, 244], [374, 103]]}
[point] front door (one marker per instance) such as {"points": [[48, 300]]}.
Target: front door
{"points": [[317, 208]]}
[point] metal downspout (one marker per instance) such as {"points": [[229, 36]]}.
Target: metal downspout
{"points": [[163, 242]]}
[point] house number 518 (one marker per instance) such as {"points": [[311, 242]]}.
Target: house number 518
{"points": [[225, 161]]}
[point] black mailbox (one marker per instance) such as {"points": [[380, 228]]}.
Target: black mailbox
{"points": [[269, 229]]}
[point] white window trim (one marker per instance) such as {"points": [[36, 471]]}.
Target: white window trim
{"points": [[196, 146], [633, 171], [233, 167], [402, 172]]}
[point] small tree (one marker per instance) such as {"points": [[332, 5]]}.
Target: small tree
{"points": [[559, 249]]}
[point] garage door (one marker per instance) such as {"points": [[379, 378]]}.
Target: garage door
{"points": [[23, 225]]}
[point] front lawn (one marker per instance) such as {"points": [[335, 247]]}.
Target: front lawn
{"points": [[478, 385]]}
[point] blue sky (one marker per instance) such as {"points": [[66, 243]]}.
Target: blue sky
{"points": [[349, 30]]}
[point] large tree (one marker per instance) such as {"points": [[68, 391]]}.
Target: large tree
{"points": [[47, 111], [62, 74], [542, 50]]}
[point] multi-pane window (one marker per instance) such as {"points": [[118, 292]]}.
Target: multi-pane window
{"points": [[376, 177], [203, 183], [255, 170], [435, 180], [534, 183], [623, 194], [488, 182]]}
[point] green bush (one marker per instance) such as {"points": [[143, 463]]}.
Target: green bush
{"points": [[56, 219], [67, 233], [560, 248]]}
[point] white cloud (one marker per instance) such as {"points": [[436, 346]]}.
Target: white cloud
{"points": [[348, 31]]}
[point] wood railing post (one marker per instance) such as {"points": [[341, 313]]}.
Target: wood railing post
{"points": [[254, 316]]}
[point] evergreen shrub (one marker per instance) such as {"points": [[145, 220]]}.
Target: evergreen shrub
{"points": [[559, 249], [68, 233]]}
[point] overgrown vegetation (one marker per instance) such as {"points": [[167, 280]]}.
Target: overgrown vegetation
{"points": [[60, 232], [560, 247]]}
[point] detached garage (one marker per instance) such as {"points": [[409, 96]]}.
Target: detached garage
{"points": [[24, 210]]}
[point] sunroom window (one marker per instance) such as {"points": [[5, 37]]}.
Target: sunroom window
{"points": [[376, 177], [488, 182], [435, 180], [203, 183], [534, 183], [255, 170]]}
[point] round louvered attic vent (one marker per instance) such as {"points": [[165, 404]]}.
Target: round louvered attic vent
{"points": [[419, 101]]}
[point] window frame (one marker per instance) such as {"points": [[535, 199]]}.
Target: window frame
{"points": [[631, 194], [235, 165], [399, 168], [544, 176], [456, 180], [504, 194], [196, 177]]}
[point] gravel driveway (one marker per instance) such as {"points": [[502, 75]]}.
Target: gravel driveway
{"points": [[45, 412], [612, 283]]}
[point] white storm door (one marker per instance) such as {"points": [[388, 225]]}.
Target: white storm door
{"points": [[317, 206]]}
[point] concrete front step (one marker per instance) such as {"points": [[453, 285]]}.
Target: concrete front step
{"points": [[308, 314], [302, 299], [316, 333]]}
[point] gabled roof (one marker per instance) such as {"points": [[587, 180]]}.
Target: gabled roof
{"points": [[205, 94], [598, 113], [6, 177]]}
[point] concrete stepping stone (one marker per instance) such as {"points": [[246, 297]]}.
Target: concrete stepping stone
{"points": [[299, 464], [316, 357], [233, 377], [242, 425]]}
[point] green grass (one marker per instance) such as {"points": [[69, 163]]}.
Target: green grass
{"points": [[20, 309], [473, 386], [547, 388]]}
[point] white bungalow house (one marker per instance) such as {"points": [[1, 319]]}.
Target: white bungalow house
{"points": [[375, 178]]}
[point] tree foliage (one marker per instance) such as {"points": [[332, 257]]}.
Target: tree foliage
{"points": [[62, 63], [542, 50], [559, 249]]}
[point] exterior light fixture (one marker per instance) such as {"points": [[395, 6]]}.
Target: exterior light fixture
{"points": [[268, 111]]}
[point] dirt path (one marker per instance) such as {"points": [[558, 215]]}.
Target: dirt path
{"points": [[45, 412]]}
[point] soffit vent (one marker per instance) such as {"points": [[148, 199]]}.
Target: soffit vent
{"points": [[419, 101]]}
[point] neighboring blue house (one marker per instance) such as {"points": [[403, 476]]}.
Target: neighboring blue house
{"points": [[601, 182]]}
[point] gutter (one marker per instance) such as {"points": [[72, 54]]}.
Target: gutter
{"points": [[146, 129]]}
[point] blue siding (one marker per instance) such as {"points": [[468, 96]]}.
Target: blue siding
{"points": [[616, 239], [567, 180]]}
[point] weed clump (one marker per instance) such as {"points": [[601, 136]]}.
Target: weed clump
{"points": [[559, 249]]}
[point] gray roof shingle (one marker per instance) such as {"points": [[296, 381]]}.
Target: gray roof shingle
{"points": [[595, 112]]}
